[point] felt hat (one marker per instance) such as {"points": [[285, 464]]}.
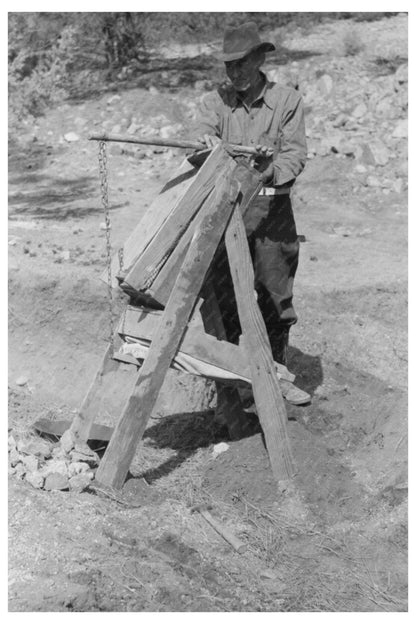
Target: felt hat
{"points": [[240, 41]]}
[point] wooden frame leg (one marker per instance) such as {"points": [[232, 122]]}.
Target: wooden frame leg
{"points": [[266, 390], [136, 413]]}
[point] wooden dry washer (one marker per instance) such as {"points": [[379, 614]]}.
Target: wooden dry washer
{"points": [[166, 260]]}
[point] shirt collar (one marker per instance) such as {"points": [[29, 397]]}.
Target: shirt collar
{"points": [[264, 94]]}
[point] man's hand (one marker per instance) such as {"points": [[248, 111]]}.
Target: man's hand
{"points": [[209, 140], [264, 150], [265, 153]]}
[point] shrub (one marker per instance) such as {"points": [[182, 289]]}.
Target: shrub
{"points": [[352, 42]]}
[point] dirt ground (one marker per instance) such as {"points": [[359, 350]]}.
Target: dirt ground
{"points": [[336, 540]]}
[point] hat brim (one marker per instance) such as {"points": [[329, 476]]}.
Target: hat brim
{"points": [[266, 46]]}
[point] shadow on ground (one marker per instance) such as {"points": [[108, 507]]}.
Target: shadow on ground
{"points": [[187, 432]]}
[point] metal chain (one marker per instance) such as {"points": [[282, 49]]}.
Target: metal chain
{"points": [[102, 160]]}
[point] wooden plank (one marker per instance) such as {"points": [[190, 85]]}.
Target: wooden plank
{"points": [[161, 288], [169, 234], [165, 202], [267, 395], [111, 380], [139, 323], [130, 428]]}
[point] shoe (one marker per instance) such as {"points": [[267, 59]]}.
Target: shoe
{"points": [[292, 394]]}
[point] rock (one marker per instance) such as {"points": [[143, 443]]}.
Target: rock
{"points": [[359, 111], [398, 185], [14, 457], [20, 470], [113, 98], [360, 169], [170, 131], [402, 168], [11, 471], [71, 137], [133, 127], [373, 181], [37, 447], [340, 120], [220, 448], [332, 142], [116, 129], [35, 479], [153, 90], [67, 441], [325, 84], [55, 466], [11, 443], [65, 255], [401, 130], [381, 153], [76, 468], [79, 482], [267, 574], [384, 109], [58, 453], [103, 226], [364, 154], [401, 76], [80, 121], [56, 481], [30, 462], [83, 453], [21, 381]]}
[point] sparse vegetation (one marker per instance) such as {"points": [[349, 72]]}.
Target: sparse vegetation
{"points": [[353, 44], [53, 56]]}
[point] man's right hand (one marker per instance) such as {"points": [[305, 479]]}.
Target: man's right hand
{"points": [[209, 140]]}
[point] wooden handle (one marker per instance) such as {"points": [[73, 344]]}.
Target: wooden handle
{"points": [[236, 543], [195, 145]]}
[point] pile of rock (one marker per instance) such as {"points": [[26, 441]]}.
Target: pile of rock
{"points": [[65, 465], [353, 113]]}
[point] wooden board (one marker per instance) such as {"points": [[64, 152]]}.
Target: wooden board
{"points": [[161, 288], [130, 428], [164, 241], [266, 390], [112, 380], [141, 323], [153, 219]]}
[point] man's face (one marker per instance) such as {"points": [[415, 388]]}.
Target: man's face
{"points": [[244, 72]]}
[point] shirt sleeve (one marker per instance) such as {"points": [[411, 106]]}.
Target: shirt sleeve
{"points": [[209, 116], [291, 157]]}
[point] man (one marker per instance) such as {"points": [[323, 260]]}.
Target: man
{"points": [[253, 111]]}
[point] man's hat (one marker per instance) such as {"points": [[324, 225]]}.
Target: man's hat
{"points": [[240, 41]]}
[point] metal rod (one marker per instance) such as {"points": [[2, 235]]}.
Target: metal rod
{"points": [[195, 145]]}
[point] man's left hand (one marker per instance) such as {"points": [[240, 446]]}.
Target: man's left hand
{"points": [[264, 150]]}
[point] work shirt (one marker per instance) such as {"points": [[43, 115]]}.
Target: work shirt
{"points": [[275, 119]]}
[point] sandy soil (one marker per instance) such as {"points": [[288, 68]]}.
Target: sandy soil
{"points": [[337, 539]]}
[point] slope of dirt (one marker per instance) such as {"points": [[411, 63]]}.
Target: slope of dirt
{"points": [[336, 539]]}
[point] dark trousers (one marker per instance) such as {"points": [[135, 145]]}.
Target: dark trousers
{"points": [[274, 248]]}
